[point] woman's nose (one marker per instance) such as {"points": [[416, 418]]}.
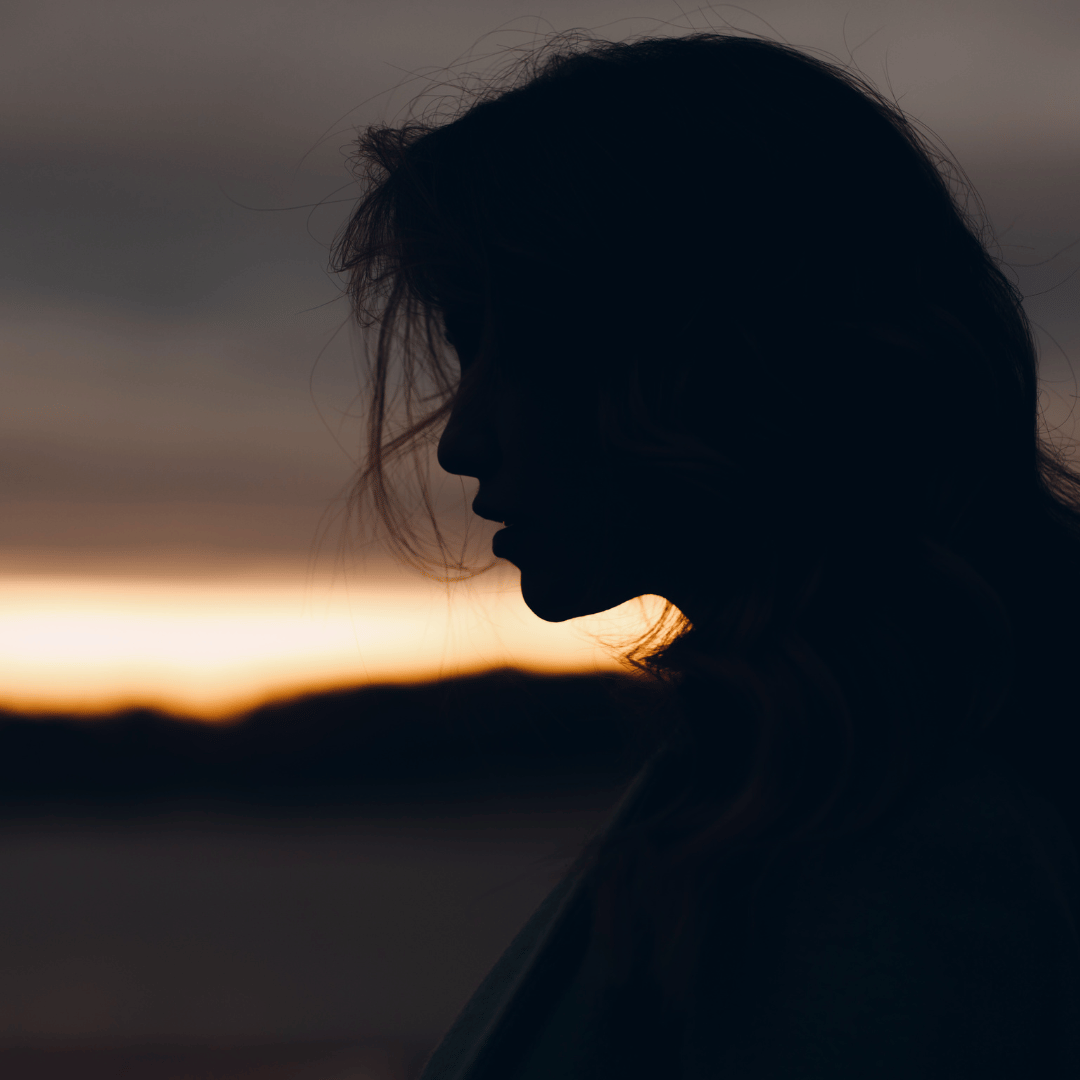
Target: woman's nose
{"points": [[469, 445]]}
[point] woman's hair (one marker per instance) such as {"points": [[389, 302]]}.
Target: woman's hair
{"points": [[774, 289]]}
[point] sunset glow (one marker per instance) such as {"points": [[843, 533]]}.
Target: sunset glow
{"points": [[213, 646]]}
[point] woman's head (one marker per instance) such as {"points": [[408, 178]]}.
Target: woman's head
{"points": [[716, 306]]}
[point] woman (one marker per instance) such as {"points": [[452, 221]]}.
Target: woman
{"points": [[729, 333]]}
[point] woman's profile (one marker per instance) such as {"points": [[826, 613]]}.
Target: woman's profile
{"points": [[726, 329]]}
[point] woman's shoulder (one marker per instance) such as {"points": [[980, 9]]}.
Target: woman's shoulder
{"points": [[942, 944], [974, 877], [976, 831]]}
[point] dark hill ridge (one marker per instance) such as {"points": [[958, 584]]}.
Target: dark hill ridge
{"points": [[501, 732]]}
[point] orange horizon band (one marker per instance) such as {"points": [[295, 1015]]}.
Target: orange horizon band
{"points": [[213, 648]]}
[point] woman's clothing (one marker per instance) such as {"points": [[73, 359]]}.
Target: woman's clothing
{"points": [[943, 946], [538, 963]]}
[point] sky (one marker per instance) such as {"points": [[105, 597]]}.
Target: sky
{"points": [[178, 420]]}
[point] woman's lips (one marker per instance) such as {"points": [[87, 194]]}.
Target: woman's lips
{"points": [[506, 543]]}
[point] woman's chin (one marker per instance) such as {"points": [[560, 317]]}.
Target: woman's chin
{"points": [[556, 601]]}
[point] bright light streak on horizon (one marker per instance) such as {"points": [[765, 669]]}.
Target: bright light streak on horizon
{"points": [[212, 647]]}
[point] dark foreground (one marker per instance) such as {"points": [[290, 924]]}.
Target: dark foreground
{"points": [[310, 894], [288, 1061]]}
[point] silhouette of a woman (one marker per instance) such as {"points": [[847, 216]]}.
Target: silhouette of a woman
{"points": [[729, 333]]}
